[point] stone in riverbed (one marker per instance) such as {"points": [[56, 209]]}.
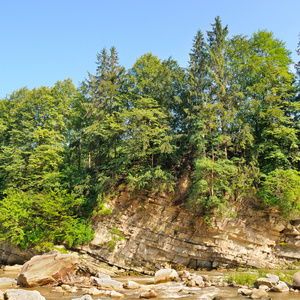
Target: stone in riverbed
{"points": [[107, 282], [47, 268], [296, 280], [245, 292], [258, 294], [85, 297], [281, 287], [18, 294], [165, 275], [148, 294], [7, 282], [95, 292], [117, 295], [131, 285], [270, 282]]}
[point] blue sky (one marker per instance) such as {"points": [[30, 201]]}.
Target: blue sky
{"points": [[43, 41]]}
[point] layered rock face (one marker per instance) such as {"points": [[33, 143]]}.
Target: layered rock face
{"points": [[151, 232]]}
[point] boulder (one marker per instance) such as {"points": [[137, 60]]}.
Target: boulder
{"points": [[47, 268], [131, 285], [19, 294], [148, 294], [296, 280], [273, 277], [6, 283], [1, 295], [280, 287], [269, 282], [110, 283], [165, 275], [258, 294]]}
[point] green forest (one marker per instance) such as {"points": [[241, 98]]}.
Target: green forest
{"points": [[230, 119]]}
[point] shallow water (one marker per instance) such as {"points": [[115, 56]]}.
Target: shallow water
{"points": [[170, 290]]}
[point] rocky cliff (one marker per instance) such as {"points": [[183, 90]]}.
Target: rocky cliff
{"points": [[151, 231], [147, 231]]}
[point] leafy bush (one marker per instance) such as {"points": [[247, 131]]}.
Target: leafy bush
{"points": [[212, 184], [281, 189], [153, 179], [41, 220]]}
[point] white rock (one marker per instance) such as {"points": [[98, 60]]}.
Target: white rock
{"points": [[281, 287], [19, 294], [95, 292], [148, 294], [131, 285], [165, 275], [115, 294], [85, 297]]}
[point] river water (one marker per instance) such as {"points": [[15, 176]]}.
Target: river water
{"points": [[170, 290]]}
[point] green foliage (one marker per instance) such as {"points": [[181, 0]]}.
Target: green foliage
{"points": [[153, 179], [116, 236], [42, 220], [212, 185], [281, 189]]}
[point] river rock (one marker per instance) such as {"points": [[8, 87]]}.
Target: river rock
{"points": [[148, 294], [95, 292], [7, 282], [258, 294], [85, 297], [280, 287], [103, 276], [245, 292], [266, 281], [107, 282], [199, 280], [296, 280], [12, 268], [165, 275], [184, 274], [273, 277], [18, 294], [117, 295], [131, 285], [47, 268], [191, 283]]}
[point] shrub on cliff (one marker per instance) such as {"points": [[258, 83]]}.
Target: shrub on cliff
{"points": [[281, 189], [41, 220]]}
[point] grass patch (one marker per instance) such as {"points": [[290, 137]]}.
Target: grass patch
{"points": [[248, 277]]}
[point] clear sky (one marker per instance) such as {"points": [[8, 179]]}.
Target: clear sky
{"points": [[43, 41]]}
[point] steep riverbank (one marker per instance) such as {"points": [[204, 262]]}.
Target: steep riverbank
{"points": [[146, 232], [153, 231]]}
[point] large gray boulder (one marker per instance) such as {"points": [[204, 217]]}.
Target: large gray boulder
{"points": [[47, 269], [18, 294]]}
